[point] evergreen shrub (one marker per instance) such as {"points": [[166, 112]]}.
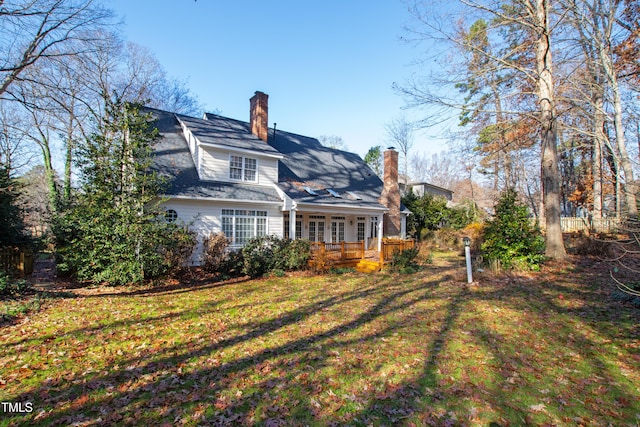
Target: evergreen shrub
{"points": [[511, 238]]}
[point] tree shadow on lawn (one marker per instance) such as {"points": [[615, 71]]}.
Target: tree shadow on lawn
{"points": [[568, 377], [180, 286], [292, 382], [129, 392]]}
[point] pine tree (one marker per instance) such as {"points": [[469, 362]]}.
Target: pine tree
{"points": [[510, 237], [11, 225], [116, 232]]}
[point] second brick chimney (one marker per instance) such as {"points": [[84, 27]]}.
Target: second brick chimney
{"points": [[259, 115], [391, 194]]}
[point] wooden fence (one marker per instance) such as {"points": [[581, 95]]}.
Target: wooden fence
{"points": [[15, 260], [592, 225], [389, 246]]}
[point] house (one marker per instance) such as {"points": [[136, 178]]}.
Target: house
{"points": [[422, 188], [246, 179]]}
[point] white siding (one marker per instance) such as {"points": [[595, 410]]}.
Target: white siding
{"points": [[268, 170], [204, 217], [214, 166]]}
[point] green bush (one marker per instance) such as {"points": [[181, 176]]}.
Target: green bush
{"points": [[13, 288], [431, 212], [268, 253], [297, 254], [405, 261], [232, 265], [510, 238], [261, 255]]}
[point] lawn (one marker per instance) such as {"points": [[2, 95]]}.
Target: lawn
{"points": [[558, 347]]}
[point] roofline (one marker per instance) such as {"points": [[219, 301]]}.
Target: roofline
{"points": [[239, 150], [340, 206], [219, 199], [428, 185]]}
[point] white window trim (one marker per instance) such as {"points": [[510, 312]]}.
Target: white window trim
{"points": [[243, 170], [234, 222]]}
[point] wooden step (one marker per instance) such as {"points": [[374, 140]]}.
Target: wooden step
{"points": [[365, 266]]}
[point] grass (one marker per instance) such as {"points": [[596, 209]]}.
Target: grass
{"points": [[555, 348]]}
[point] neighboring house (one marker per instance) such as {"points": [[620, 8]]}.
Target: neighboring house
{"points": [[422, 188], [246, 180]]}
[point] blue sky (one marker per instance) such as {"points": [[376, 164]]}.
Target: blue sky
{"points": [[328, 66]]}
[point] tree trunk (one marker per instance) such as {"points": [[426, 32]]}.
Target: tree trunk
{"points": [[598, 143], [50, 176], [550, 172], [603, 36]]}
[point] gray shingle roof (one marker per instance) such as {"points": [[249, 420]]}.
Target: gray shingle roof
{"points": [[231, 133], [173, 160], [307, 163]]}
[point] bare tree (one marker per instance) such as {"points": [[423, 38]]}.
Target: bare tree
{"points": [[332, 141], [32, 31], [400, 133]]}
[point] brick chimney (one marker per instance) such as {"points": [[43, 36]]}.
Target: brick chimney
{"points": [[391, 194], [259, 115]]}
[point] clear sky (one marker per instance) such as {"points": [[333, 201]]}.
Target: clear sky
{"points": [[327, 65]]}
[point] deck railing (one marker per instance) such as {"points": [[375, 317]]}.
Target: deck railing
{"points": [[338, 251]]}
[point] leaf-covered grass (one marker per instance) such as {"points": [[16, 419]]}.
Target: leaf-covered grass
{"points": [[551, 348]]}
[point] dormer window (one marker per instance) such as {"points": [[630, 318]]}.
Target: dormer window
{"points": [[243, 168]]}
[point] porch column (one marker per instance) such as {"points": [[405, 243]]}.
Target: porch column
{"points": [[380, 224], [292, 224]]}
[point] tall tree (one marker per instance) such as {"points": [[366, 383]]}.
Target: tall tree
{"points": [[373, 158], [524, 29], [550, 172], [33, 31], [115, 232], [400, 132]]}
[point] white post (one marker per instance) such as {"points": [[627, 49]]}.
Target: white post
{"points": [[380, 223], [292, 224], [467, 254]]}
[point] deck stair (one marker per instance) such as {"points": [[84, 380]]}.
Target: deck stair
{"points": [[368, 266]]}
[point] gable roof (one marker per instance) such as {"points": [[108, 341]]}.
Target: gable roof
{"points": [[308, 172], [173, 160]]}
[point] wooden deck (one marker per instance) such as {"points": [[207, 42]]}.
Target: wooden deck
{"points": [[353, 254]]}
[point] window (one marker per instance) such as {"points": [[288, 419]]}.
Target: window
{"points": [[170, 215], [316, 228], [374, 227], [337, 228], [361, 227], [243, 168], [241, 225], [298, 229], [310, 191], [333, 193]]}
